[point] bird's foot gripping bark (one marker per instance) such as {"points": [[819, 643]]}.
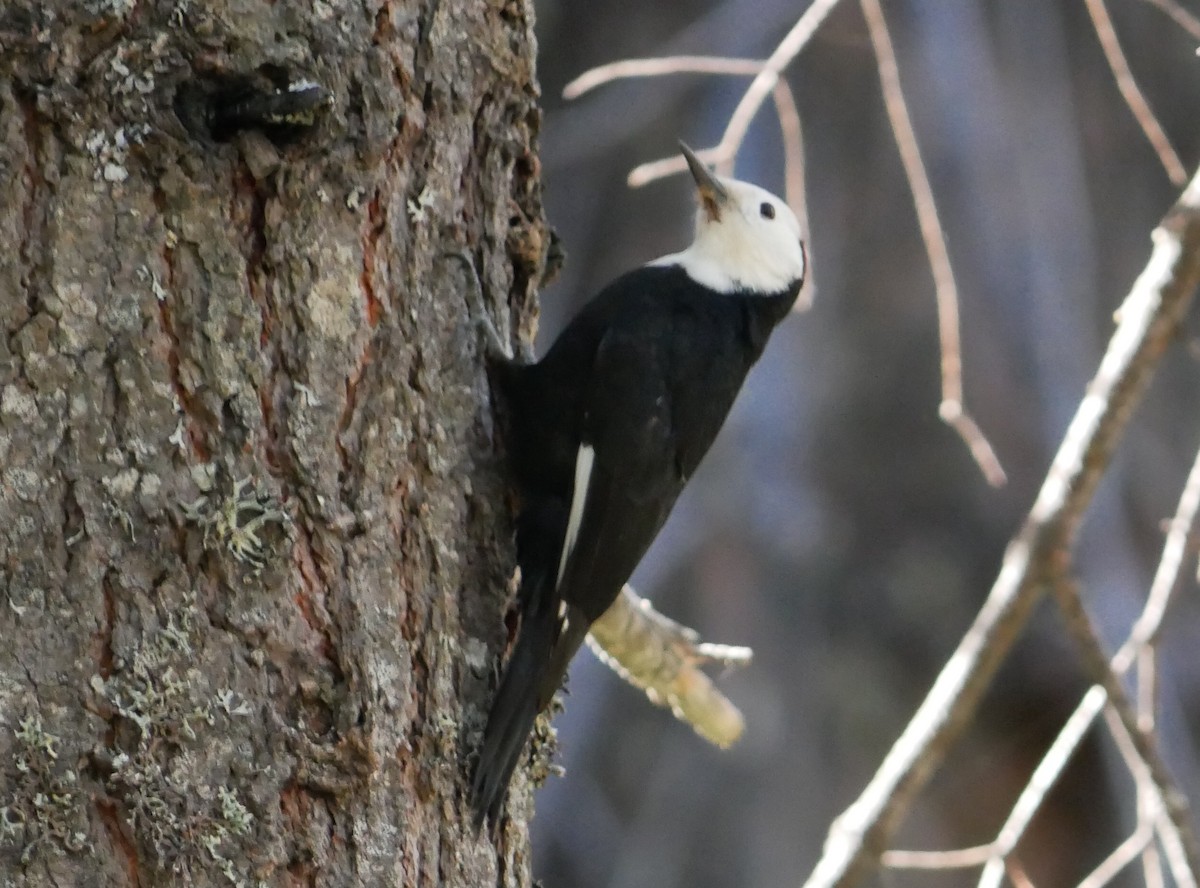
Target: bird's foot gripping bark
{"points": [[497, 346]]}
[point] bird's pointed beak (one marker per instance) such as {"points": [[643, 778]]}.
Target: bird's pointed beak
{"points": [[713, 195]]}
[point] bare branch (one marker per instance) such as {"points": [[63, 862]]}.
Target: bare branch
{"points": [[1147, 675], [1132, 93], [785, 107], [1170, 569], [784, 54], [658, 67], [1149, 320], [1168, 796], [1017, 875], [664, 659], [1044, 776], [1147, 687], [1123, 855], [793, 150], [952, 411], [751, 101], [795, 193], [959, 858], [668, 166], [1166, 579], [1173, 841], [1179, 15]]}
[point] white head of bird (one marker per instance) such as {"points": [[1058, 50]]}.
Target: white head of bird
{"points": [[747, 239]]}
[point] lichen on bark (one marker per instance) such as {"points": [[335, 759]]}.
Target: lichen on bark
{"points": [[199, 333]]}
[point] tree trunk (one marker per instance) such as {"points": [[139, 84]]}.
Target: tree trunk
{"points": [[254, 543]]}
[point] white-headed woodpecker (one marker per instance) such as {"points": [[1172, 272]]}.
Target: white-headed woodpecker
{"points": [[605, 430]]}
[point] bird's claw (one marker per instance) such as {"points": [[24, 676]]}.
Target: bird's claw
{"points": [[494, 342]]}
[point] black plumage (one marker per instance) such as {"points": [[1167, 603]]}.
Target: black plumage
{"points": [[606, 429], [645, 375]]}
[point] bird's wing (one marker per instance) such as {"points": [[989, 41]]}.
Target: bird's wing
{"points": [[625, 480], [624, 483]]}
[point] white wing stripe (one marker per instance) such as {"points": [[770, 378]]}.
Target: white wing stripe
{"points": [[583, 474]]}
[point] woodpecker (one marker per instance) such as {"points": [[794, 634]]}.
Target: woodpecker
{"points": [[606, 429]]}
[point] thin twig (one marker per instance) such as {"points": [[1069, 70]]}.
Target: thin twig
{"points": [[1176, 854], [1149, 321], [1132, 93], [795, 193], [739, 122], [952, 410], [1174, 841], [1152, 868], [1017, 875], [1150, 809], [959, 858], [786, 109], [1147, 675], [668, 65], [1147, 688], [792, 131], [1167, 795], [1123, 855], [659, 67], [645, 173], [1044, 776], [1165, 582], [784, 54], [1179, 15], [1170, 568]]}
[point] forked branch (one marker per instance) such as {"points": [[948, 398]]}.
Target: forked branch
{"points": [[1148, 323]]}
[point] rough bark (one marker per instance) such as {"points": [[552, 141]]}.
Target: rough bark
{"points": [[253, 538]]}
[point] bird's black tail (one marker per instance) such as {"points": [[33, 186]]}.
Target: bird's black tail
{"points": [[546, 642], [512, 715]]}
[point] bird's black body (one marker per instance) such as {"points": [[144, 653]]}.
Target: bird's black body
{"points": [[644, 376]]}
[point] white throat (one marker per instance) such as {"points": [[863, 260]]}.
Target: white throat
{"points": [[726, 269], [752, 246]]}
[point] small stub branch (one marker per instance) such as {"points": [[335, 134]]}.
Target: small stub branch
{"points": [[666, 660]]}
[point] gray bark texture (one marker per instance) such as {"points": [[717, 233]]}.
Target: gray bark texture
{"points": [[254, 540]]}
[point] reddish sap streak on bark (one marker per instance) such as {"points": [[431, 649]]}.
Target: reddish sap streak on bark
{"points": [[375, 226], [121, 841], [310, 596]]}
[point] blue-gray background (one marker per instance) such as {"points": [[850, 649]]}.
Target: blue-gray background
{"points": [[837, 526]]}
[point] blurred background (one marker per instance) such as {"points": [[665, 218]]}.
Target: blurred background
{"points": [[837, 526]]}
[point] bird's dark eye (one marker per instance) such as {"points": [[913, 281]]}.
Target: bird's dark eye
{"points": [[767, 210]]}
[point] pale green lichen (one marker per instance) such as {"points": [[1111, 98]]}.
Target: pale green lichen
{"points": [[120, 517], [170, 807], [155, 692], [237, 522], [237, 817], [45, 811], [109, 8]]}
